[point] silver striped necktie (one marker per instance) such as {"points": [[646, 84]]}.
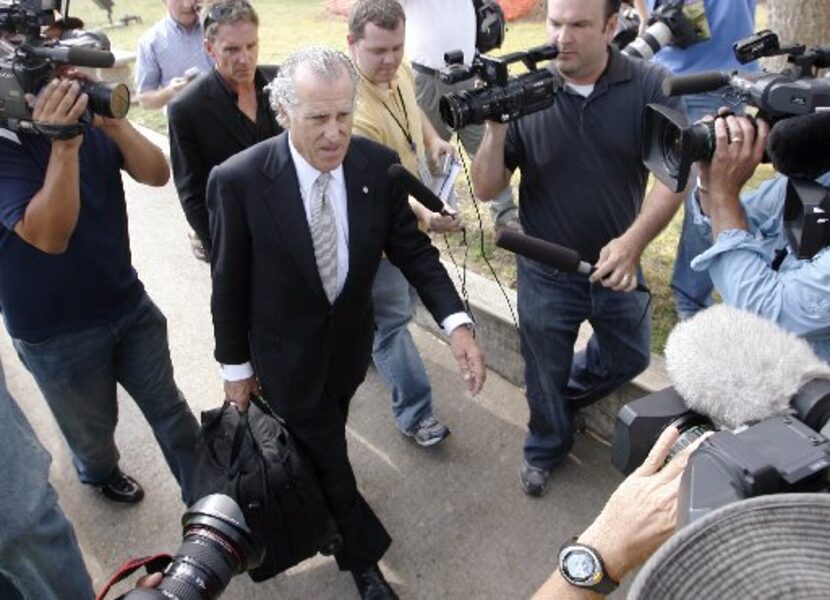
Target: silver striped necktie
{"points": [[324, 236]]}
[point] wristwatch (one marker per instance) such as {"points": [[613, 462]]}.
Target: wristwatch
{"points": [[582, 566]]}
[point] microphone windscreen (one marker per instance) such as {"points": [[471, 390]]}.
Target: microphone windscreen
{"points": [[415, 188], [736, 367], [541, 251], [696, 83], [800, 146], [88, 57]]}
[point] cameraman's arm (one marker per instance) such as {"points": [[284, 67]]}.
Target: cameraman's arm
{"points": [[638, 517], [489, 173], [642, 11], [51, 215], [143, 160], [620, 258]]}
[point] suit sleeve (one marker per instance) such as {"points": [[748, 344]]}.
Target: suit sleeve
{"points": [[190, 173], [230, 267], [412, 252]]}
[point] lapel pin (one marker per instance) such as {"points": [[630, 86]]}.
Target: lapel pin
{"points": [[365, 190]]}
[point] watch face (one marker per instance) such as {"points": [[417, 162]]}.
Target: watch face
{"points": [[579, 566]]}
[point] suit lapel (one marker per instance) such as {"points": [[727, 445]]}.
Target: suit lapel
{"points": [[359, 199], [281, 194]]}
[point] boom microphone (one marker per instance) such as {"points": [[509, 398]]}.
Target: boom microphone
{"points": [[544, 252], [736, 367], [416, 189], [800, 146], [696, 83]]}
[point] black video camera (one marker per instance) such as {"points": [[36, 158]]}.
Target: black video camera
{"points": [[789, 453], [667, 25], [29, 60], [503, 98], [216, 545], [671, 147]]}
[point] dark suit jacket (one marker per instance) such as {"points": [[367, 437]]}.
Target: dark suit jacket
{"points": [[205, 130], [268, 301]]}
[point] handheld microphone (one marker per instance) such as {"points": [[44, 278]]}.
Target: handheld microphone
{"points": [[798, 146], [80, 57], [696, 83], [736, 367], [547, 253], [418, 190]]}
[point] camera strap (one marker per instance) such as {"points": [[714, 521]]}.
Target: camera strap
{"points": [[154, 564]]}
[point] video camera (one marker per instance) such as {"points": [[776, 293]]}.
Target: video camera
{"points": [[670, 147], [29, 60], [668, 24], [503, 98], [789, 453]]}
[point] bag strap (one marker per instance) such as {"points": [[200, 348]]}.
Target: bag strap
{"points": [[239, 435]]}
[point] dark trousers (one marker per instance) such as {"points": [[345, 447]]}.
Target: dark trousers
{"points": [[323, 437]]}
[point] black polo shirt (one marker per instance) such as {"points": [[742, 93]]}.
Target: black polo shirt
{"points": [[266, 124], [583, 179]]}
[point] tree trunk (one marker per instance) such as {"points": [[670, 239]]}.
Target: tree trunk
{"points": [[799, 21]]}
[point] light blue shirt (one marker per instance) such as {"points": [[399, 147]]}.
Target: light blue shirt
{"points": [[166, 51], [797, 296]]}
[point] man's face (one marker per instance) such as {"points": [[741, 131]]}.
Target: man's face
{"points": [[184, 12], [320, 125], [379, 52], [580, 30], [235, 48]]}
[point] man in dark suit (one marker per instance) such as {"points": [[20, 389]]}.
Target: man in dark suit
{"points": [[221, 113], [299, 223]]}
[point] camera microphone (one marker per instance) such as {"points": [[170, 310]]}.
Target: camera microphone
{"points": [[696, 83], [799, 147], [736, 368], [73, 55], [413, 186], [547, 253]]}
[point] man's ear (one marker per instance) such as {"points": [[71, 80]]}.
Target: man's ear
{"points": [[611, 26]]}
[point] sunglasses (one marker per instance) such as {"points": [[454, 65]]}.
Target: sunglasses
{"points": [[221, 11]]}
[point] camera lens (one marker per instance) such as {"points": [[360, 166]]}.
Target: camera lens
{"points": [[217, 544], [691, 426], [108, 99], [699, 140], [455, 109]]}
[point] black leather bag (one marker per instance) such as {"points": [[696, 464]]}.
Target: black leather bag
{"points": [[251, 457]]}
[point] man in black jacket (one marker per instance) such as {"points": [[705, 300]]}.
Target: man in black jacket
{"points": [[221, 113], [299, 224]]}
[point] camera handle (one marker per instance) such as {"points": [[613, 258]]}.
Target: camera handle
{"points": [[153, 564]]}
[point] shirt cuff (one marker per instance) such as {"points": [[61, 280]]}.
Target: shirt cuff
{"points": [[455, 320], [236, 372]]}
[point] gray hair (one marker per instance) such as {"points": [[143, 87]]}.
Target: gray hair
{"points": [[223, 12], [325, 63]]}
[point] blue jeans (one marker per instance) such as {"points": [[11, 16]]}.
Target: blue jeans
{"points": [[39, 555], [394, 352], [552, 305], [77, 373], [693, 289]]}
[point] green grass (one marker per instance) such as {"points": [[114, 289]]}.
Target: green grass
{"points": [[286, 25]]}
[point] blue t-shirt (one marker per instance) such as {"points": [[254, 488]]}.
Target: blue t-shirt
{"points": [[727, 21], [93, 282]]}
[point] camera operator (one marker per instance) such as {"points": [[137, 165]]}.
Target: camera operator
{"points": [[747, 233], [638, 517], [78, 314], [582, 187], [721, 22]]}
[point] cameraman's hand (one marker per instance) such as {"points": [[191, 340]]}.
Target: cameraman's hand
{"points": [[239, 392], [642, 512], [617, 265], [445, 223], [60, 103]]}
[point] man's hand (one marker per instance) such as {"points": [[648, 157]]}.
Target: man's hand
{"points": [[738, 152], [60, 103], [239, 392], [470, 358], [438, 150], [617, 264], [444, 223], [642, 512]]}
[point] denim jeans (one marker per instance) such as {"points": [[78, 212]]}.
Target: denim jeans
{"points": [[693, 289], [77, 373], [552, 305], [394, 352], [39, 556]]}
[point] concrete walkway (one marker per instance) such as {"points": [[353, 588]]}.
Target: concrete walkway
{"points": [[463, 529]]}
